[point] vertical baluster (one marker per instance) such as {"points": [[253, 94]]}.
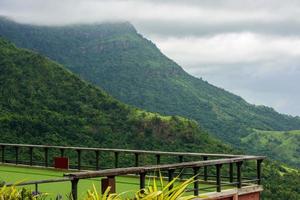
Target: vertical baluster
{"points": [[196, 181], [142, 180], [97, 160], [62, 152], [74, 188], [3, 153], [136, 159], [258, 171], [180, 160], [170, 177], [218, 177], [116, 159], [239, 174], [158, 159], [46, 156], [31, 156], [78, 159], [36, 188], [17, 154], [205, 174], [231, 172]]}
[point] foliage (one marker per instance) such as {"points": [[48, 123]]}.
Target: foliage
{"points": [[42, 103], [282, 145], [2, 183], [94, 195], [132, 69], [280, 182], [12, 193], [153, 191]]}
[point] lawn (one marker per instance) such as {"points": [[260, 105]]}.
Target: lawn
{"points": [[13, 174]]}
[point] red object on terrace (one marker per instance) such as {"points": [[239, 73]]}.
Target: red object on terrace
{"points": [[61, 162]]}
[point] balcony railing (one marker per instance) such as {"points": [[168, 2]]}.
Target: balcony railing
{"points": [[211, 165]]}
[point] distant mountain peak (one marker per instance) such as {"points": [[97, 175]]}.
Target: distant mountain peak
{"points": [[133, 70]]}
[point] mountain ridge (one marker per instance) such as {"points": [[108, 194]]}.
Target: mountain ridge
{"points": [[133, 70], [43, 103], [118, 59]]}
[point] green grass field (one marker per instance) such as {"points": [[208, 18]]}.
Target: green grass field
{"points": [[14, 174]]}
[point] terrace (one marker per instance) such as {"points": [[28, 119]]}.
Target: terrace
{"points": [[218, 176]]}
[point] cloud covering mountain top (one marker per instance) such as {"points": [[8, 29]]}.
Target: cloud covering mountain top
{"points": [[251, 48]]}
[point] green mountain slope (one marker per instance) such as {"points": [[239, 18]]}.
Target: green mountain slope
{"points": [[43, 103], [132, 69], [283, 145]]}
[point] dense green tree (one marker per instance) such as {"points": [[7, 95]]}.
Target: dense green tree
{"points": [[132, 69], [43, 103]]}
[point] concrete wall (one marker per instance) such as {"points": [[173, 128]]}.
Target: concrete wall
{"points": [[245, 193]]}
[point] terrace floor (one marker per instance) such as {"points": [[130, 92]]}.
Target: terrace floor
{"points": [[15, 174]]}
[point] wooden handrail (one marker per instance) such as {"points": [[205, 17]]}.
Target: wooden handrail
{"points": [[217, 161], [151, 168], [125, 150]]}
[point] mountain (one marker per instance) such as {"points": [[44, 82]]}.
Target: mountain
{"points": [[283, 145], [132, 69], [43, 103]]}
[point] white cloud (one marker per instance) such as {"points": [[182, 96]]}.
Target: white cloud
{"points": [[74, 11], [249, 47], [229, 48], [264, 69]]}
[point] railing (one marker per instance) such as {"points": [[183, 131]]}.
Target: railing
{"points": [[218, 161]]}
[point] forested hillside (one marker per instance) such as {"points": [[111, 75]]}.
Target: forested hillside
{"points": [[283, 145], [43, 103], [132, 69]]}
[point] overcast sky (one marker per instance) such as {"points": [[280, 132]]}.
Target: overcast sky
{"points": [[249, 47]]}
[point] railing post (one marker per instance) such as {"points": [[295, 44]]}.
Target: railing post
{"points": [[157, 159], [196, 181], [97, 159], [31, 155], [136, 159], [110, 181], [205, 174], [218, 177], [62, 152], [3, 153], [17, 154], [239, 173], [74, 189], [142, 180], [116, 159], [170, 177], [231, 172], [78, 159], [180, 160], [46, 157], [258, 170], [36, 188]]}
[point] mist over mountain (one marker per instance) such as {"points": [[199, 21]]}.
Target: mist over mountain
{"points": [[118, 59]]}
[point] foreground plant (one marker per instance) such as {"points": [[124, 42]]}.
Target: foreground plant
{"points": [[94, 195], [152, 192], [13, 193]]}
